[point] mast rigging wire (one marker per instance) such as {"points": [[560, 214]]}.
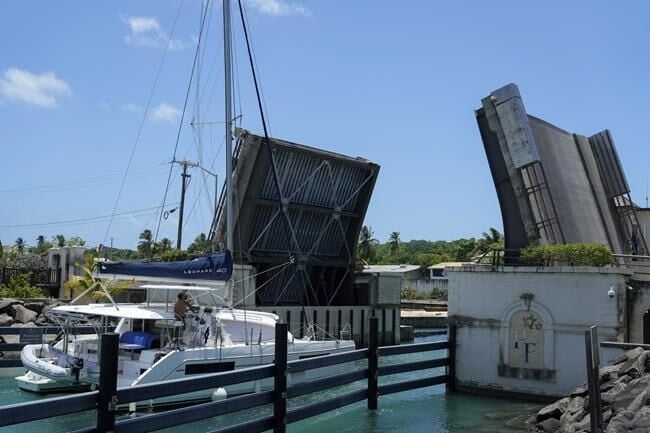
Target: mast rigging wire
{"points": [[180, 125], [144, 117], [292, 241]]}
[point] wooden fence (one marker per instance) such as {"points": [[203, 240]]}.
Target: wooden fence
{"points": [[106, 399]]}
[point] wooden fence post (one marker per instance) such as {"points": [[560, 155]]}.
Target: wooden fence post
{"points": [[373, 363], [451, 368], [107, 382], [280, 382], [593, 379]]}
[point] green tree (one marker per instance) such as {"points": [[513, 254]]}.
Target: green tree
{"points": [[165, 244], [59, 241], [463, 249], [173, 255], [200, 245], [429, 259], [20, 245], [145, 244], [42, 245], [493, 236], [393, 243], [75, 241], [492, 239], [367, 243], [99, 286]]}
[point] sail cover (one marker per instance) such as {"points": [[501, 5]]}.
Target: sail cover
{"points": [[214, 267]]}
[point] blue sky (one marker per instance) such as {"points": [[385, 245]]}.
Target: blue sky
{"points": [[394, 82]]}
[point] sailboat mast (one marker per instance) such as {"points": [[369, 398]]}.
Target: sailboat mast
{"points": [[227, 58]]}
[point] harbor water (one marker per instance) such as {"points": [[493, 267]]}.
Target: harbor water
{"points": [[423, 410]]}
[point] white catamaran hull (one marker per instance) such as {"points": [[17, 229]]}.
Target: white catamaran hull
{"points": [[179, 364], [202, 345], [193, 362]]}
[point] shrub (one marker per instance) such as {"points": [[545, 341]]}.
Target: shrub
{"points": [[574, 254], [410, 293], [439, 294], [19, 287], [540, 255]]}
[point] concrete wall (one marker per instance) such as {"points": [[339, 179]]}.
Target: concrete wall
{"points": [[569, 184], [66, 258], [521, 329], [426, 286], [389, 289]]}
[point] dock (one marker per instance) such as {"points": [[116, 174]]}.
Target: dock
{"points": [[422, 318]]}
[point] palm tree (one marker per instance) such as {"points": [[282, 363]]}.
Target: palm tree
{"points": [[393, 243], [365, 248], [493, 236], [98, 287], [59, 241], [165, 244], [145, 245], [40, 243], [199, 246], [20, 245]]}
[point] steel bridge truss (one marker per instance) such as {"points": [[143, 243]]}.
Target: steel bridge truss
{"points": [[324, 196]]}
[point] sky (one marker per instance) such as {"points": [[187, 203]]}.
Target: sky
{"points": [[90, 91]]}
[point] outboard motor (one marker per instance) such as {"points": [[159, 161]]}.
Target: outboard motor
{"points": [[75, 366]]}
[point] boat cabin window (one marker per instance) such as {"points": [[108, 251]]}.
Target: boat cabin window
{"points": [[240, 331], [209, 367]]}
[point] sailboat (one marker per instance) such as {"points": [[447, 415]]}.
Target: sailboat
{"points": [[155, 344]]}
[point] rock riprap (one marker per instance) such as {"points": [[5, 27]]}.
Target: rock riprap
{"points": [[625, 397]]}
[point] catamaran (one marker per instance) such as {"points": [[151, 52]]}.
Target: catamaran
{"points": [[156, 346]]}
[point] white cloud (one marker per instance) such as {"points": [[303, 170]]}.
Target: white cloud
{"points": [[143, 24], [129, 106], [166, 113], [279, 8], [41, 90], [147, 32]]}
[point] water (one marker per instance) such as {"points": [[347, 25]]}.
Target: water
{"points": [[421, 410]]}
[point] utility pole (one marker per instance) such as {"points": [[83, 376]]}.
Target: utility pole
{"points": [[184, 177], [185, 163]]}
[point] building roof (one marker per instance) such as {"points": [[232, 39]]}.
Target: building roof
{"points": [[390, 269], [444, 265]]}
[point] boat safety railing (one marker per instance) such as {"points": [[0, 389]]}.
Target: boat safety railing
{"points": [[365, 370], [35, 335]]}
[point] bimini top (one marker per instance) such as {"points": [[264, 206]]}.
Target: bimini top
{"points": [[215, 267], [127, 311]]}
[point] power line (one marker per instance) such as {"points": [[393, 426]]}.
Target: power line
{"points": [[82, 220], [142, 121], [72, 186]]}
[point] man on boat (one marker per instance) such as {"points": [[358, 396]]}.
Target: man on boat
{"points": [[181, 306]]}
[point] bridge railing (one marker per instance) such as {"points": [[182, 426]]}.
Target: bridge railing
{"points": [[107, 399]]}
